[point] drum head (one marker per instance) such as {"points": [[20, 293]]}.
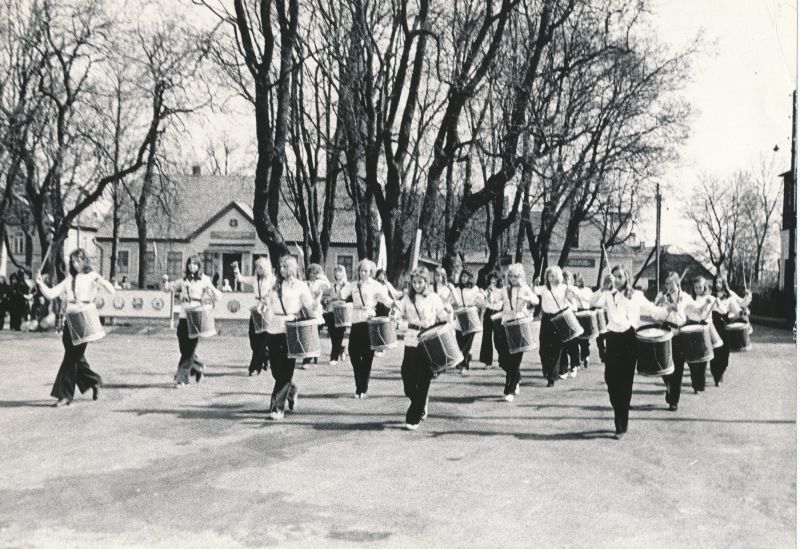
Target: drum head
{"points": [[692, 328], [736, 326]]}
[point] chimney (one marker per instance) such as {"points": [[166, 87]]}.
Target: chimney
{"points": [[196, 170]]}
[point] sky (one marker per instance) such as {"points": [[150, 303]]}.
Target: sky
{"points": [[741, 91]]}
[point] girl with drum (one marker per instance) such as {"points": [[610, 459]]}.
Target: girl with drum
{"points": [[571, 352], [395, 294], [366, 294], [607, 286], [493, 296], [680, 307], [444, 289], [79, 289], [192, 287], [518, 299], [728, 307], [422, 309], [470, 301], [333, 296], [290, 298], [584, 298], [624, 306], [262, 284], [318, 283], [554, 299]]}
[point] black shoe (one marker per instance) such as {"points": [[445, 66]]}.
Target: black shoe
{"points": [[673, 407], [717, 383], [197, 375], [551, 383], [250, 373], [94, 392]]}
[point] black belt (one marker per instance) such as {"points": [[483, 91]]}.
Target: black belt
{"points": [[414, 326]]}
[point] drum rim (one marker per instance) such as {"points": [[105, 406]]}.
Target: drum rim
{"points": [[304, 322], [692, 328], [666, 336], [737, 326]]}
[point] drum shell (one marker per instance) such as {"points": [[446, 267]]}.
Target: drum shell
{"points": [[520, 335], [602, 320], [84, 324], [567, 325], [654, 354], [259, 317], [589, 324], [695, 340], [468, 320], [716, 339], [343, 315], [302, 338], [200, 321], [382, 333], [737, 335], [441, 347]]}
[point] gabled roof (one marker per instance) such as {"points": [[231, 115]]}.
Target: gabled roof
{"points": [[673, 258], [196, 202]]}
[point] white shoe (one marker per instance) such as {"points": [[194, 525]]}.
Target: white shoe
{"points": [[363, 395], [516, 389], [356, 395], [277, 414], [573, 372], [464, 372], [562, 376], [333, 362], [411, 427], [508, 398]]}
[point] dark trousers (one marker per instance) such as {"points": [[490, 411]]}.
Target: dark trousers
{"points": [[189, 363], [2, 318], [570, 356], [258, 344], [508, 362], [15, 312], [337, 336], [465, 344], [583, 344], [486, 355], [74, 370], [416, 373], [550, 348], [601, 347], [282, 368], [697, 371], [620, 368], [673, 380], [721, 354], [360, 356]]}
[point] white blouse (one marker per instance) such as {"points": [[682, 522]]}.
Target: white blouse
{"points": [[516, 300], [494, 298], [261, 285], [679, 309], [365, 296], [86, 285], [553, 299], [624, 313], [422, 312], [469, 297], [318, 287], [295, 295], [193, 290]]}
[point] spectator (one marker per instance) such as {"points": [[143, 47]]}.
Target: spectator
{"points": [[4, 300], [215, 280], [126, 285], [226, 286]]}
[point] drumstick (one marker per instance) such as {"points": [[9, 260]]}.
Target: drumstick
{"points": [[46, 256]]}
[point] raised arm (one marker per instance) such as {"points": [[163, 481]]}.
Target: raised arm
{"points": [[108, 286], [55, 291]]}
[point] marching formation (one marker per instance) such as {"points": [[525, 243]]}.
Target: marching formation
{"points": [[440, 320]]}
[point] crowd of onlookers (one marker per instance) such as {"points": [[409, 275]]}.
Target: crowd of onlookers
{"points": [[27, 309]]}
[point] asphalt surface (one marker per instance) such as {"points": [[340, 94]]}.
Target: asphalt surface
{"points": [[148, 465]]}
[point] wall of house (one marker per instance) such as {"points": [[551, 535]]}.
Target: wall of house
{"points": [[16, 237]]}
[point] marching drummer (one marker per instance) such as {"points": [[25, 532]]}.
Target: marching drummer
{"points": [[606, 286], [331, 298], [192, 287], [583, 295], [571, 350], [624, 306], [467, 295], [79, 288], [290, 298], [318, 284], [518, 301], [366, 294], [422, 308], [444, 289], [262, 283], [493, 296], [554, 299], [680, 307], [727, 307]]}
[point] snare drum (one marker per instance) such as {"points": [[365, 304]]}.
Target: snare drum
{"points": [[84, 324], [441, 347], [468, 319], [654, 351], [589, 324], [302, 338], [343, 314], [258, 314], [738, 335], [716, 340], [602, 320], [695, 342], [567, 325], [520, 335], [382, 333], [200, 321]]}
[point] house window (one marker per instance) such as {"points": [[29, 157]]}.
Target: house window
{"points": [[174, 263], [346, 261], [575, 240], [19, 244], [150, 263], [123, 261]]}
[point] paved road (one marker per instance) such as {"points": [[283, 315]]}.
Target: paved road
{"points": [[151, 466]]}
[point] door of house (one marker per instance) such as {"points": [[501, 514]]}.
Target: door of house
{"points": [[227, 269]]}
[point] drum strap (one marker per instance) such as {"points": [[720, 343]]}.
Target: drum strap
{"points": [[414, 303], [463, 303], [363, 303], [281, 300], [554, 298]]}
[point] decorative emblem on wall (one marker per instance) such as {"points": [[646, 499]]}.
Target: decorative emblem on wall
{"points": [[118, 303], [157, 303], [99, 302], [234, 306], [137, 303]]}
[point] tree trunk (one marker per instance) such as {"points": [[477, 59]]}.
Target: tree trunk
{"points": [[114, 233]]}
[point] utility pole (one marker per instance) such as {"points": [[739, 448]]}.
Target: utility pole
{"points": [[658, 236]]}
